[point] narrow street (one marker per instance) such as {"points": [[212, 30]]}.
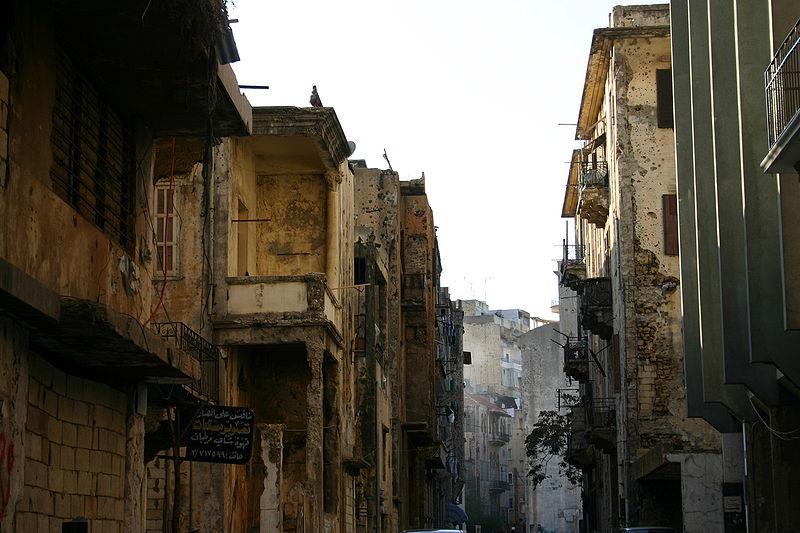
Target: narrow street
{"points": [[232, 301]]}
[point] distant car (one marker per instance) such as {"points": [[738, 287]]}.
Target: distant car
{"points": [[647, 529]]}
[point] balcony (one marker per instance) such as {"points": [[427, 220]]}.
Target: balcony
{"points": [[498, 438], [782, 88], [496, 486], [601, 420], [206, 355], [596, 309], [593, 192], [579, 450], [576, 359], [281, 301], [572, 266]]}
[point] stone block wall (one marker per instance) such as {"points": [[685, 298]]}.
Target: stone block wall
{"points": [[74, 452]]}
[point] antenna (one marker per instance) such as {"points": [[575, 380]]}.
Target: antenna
{"points": [[386, 157]]}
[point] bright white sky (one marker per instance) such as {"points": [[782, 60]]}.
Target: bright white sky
{"points": [[468, 91]]}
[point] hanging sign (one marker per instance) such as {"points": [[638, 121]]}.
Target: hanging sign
{"points": [[221, 435]]}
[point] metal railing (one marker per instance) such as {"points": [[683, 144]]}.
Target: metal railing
{"points": [[782, 86], [573, 253], [499, 436], [593, 174], [205, 353], [601, 413], [497, 485], [595, 293]]}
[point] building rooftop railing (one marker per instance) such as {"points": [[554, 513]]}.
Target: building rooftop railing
{"points": [[782, 86], [206, 354]]}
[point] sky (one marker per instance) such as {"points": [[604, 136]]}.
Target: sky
{"points": [[470, 92]]}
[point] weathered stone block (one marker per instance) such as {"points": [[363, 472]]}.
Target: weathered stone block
{"points": [[50, 402], [36, 474], [67, 458], [85, 437], [69, 434]]}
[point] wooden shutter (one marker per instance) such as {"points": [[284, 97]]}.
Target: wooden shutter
{"points": [[670, 212], [664, 98]]}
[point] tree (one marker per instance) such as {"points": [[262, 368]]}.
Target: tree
{"points": [[546, 441]]}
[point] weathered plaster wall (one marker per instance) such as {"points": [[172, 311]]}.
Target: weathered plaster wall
{"points": [[556, 503], [293, 241], [643, 171]]}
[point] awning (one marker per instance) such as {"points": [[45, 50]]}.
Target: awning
{"points": [[455, 514]]}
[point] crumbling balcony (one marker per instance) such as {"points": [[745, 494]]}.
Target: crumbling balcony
{"points": [[497, 486], [576, 359], [782, 87], [593, 192], [572, 266], [596, 306], [601, 419], [282, 301], [498, 438], [579, 450]]}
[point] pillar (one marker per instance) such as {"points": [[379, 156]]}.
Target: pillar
{"points": [[271, 517]]}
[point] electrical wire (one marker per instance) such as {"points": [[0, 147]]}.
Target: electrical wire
{"points": [[782, 435], [168, 203]]}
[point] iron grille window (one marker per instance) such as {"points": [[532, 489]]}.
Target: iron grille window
{"points": [[92, 154]]}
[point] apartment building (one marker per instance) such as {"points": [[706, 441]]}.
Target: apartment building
{"points": [[643, 459], [81, 108], [735, 92]]}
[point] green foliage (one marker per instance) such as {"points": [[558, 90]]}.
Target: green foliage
{"points": [[546, 441]]}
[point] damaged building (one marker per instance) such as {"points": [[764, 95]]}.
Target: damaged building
{"points": [[417, 366], [172, 258], [84, 95], [643, 459]]}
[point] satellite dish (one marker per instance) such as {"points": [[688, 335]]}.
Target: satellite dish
{"points": [[352, 147]]}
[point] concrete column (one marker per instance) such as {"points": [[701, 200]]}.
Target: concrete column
{"points": [[135, 495], [271, 518], [332, 230], [313, 504], [701, 497]]}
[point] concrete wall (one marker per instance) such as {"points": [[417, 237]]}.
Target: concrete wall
{"points": [[556, 503]]}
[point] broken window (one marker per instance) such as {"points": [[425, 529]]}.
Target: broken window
{"points": [[664, 98], [92, 147], [166, 228]]}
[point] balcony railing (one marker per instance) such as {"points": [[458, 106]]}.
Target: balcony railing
{"points": [[782, 82], [596, 306], [593, 174], [499, 438], [291, 300], [576, 358], [205, 353], [497, 485], [572, 266], [601, 419]]}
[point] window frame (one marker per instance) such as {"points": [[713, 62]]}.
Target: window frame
{"points": [[162, 186]]}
